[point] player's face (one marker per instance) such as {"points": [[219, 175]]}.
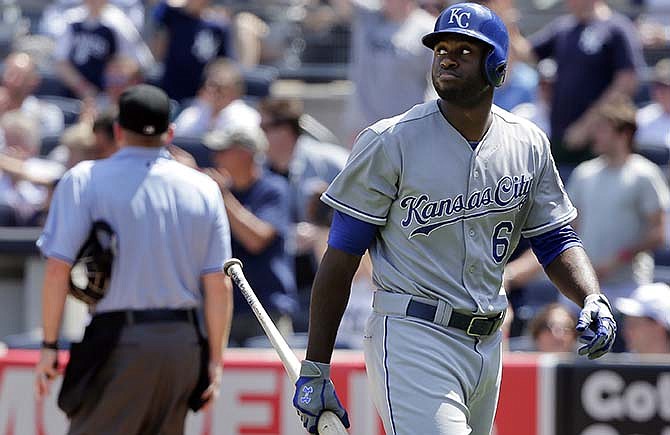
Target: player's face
{"points": [[457, 70]]}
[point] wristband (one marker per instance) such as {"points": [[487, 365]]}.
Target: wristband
{"points": [[53, 345]]}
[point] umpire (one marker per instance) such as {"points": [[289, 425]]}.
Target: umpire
{"points": [[142, 362]]}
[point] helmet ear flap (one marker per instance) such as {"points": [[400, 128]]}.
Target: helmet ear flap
{"points": [[501, 73], [494, 72]]}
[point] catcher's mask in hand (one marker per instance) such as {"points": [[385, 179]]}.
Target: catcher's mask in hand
{"points": [[92, 269]]}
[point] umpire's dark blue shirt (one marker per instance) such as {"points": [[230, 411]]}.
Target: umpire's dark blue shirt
{"points": [[192, 43], [588, 56], [270, 273]]}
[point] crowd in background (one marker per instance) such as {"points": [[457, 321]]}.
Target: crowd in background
{"points": [[591, 77]]}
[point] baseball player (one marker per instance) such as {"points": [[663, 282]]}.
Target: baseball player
{"points": [[440, 195]]}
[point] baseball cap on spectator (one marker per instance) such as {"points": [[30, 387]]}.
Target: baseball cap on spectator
{"points": [[249, 137], [648, 300], [662, 72], [621, 112], [145, 110]]}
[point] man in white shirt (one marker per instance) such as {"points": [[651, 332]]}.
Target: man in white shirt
{"points": [[654, 120], [219, 103]]}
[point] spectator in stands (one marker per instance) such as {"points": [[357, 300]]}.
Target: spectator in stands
{"points": [[53, 21], [599, 55], [20, 79], [537, 111], [521, 79], [647, 322], [388, 61], [103, 130], [96, 33], [433, 7], [654, 23], [219, 103], [622, 199], [653, 120], [258, 212], [303, 161], [23, 176], [553, 329], [188, 37], [120, 73], [77, 143]]}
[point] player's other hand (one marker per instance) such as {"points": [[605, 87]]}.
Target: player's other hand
{"points": [[315, 393], [45, 372], [597, 326]]}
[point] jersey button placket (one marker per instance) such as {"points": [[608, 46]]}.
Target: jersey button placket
{"points": [[472, 258]]}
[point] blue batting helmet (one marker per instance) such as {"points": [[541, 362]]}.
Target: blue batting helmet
{"points": [[479, 22]]}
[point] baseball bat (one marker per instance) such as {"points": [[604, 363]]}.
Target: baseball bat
{"points": [[329, 423]]}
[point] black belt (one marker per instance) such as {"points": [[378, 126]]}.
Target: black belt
{"points": [[475, 326], [128, 317]]}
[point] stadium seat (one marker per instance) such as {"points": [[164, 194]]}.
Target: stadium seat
{"points": [[49, 143], [657, 154], [662, 264], [258, 81], [194, 146], [50, 85]]}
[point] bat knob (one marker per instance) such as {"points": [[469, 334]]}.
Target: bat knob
{"points": [[230, 263]]}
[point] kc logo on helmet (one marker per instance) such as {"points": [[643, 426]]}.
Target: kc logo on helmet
{"points": [[462, 19]]}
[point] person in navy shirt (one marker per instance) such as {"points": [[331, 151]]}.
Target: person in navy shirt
{"points": [[258, 207], [96, 32], [599, 55], [188, 38]]}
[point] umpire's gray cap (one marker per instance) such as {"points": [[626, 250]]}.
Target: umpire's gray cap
{"points": [[250, 137]]}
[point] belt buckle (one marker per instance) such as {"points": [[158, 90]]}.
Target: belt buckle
{"points": [[473, 331]]}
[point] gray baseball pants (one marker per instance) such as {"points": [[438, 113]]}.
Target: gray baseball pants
{"points": [[431, 380]]}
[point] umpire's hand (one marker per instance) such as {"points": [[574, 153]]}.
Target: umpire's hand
{"points": [[597, 326], [46, 371], [315, 393], [214, 388]]}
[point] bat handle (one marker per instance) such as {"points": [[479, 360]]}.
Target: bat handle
{"points": [[227, 266]]}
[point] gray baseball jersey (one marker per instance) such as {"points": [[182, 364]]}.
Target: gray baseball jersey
{"points": [[450, 216]]}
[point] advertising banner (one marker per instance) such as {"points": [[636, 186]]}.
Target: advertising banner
{"points": [[256, 397], [613, 399]]}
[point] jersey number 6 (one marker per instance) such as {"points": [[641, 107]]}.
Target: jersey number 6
{"points": [[500, 240]]}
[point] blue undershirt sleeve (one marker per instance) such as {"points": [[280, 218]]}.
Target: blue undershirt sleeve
{"points": [[350, 235], [551, 244]]}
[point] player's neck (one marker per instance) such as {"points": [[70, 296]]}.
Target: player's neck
{"points": [[471, 122]]}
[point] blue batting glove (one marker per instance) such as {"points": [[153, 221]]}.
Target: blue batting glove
{"points": [[315, 393], [597, 326]]}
